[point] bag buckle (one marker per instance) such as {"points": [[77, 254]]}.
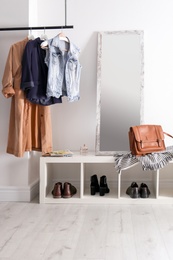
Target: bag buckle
{"points": [[159, 142], [141, 144]]}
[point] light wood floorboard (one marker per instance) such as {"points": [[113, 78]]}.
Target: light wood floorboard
{"points": [[33, 231]]}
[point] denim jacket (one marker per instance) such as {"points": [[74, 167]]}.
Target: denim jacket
{"points": [[64, 69]]}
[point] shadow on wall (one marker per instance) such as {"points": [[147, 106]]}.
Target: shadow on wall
{"points": [[74, 124]]}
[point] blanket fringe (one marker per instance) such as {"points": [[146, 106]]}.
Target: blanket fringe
{"points": [[152, 162]]}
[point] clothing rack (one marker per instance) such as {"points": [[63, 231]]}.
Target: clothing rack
{"points": [[36, 28], [41, 27]]}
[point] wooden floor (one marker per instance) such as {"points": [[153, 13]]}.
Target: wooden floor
{"points": [[32, 231]]}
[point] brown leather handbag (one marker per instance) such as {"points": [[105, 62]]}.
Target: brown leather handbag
{"points": [[144, 139]]}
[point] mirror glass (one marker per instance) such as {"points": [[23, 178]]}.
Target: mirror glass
{"points": [[119, 89]]}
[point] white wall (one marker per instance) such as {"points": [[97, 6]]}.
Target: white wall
{"points": [[17, 175], [74, 123]]}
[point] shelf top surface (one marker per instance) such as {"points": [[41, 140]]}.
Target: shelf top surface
{"points": [[77, 157]]}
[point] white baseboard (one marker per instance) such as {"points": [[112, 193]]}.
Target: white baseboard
{"points": [[17, 193], [28, 193]]}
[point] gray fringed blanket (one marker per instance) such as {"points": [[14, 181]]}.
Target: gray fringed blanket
{"points": [[152, 161]]}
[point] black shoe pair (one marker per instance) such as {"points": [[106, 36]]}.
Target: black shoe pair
{"points": [[95, 187], [138, 192]]}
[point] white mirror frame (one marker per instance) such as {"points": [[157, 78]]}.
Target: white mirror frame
{"points": [[99, 77]]}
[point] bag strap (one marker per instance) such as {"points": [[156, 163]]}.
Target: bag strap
{"points": [[159, 132], [168, 134]]}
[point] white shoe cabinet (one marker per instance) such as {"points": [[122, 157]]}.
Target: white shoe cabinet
{"points": [[117, 193]]}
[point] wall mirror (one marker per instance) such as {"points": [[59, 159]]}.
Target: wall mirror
{"points": [[120, 71]]}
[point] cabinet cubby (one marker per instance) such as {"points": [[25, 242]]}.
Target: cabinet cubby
{"points": [[79, 168]]}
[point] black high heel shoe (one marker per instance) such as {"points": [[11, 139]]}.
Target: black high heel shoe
{"points": [[103, 186], [94, 186]]}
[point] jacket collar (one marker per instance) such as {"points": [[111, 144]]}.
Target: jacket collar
{"points": [[73, 49]]}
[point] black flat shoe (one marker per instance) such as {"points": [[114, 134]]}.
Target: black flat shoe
{"points": [[144, 191], [133, 191]]}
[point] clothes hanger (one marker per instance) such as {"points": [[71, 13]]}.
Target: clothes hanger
{"points": [[44, 45], [62, 36], [30, 36], [44, 36]]}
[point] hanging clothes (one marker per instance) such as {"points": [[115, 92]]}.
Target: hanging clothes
{"points": [[64, 69], [30, 126], [34, 74]]}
